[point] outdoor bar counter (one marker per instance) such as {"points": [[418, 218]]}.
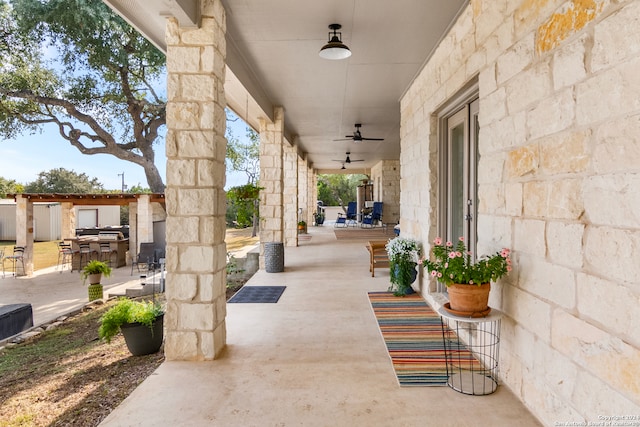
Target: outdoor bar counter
{"points": [[119, 248]]}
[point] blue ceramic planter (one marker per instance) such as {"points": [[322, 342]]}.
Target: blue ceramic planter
{"points": [[404, 288]]}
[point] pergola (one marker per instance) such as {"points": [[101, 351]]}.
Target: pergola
{"points": [[140, 218]]}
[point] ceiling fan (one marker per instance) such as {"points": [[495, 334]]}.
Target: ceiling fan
{"points": [[347, 160], [357, 136]]}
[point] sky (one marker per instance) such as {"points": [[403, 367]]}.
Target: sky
{"points": [[23, 158]]}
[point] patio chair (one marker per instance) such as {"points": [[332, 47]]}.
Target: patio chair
{"points": [[372, 219], [65, 256], [350, 218], [18, 256], [145, 257], [2, 261]]}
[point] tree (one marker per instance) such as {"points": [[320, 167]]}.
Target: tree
{"points": [[243, 155], [101, 91], [8, 186], [338, 189], [64, 181], [242, 209]]}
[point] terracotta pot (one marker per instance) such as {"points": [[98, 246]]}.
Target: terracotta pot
{"points": [[469, 298]]}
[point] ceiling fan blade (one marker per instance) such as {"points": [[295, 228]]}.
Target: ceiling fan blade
{"points": [[372, 139], [356, 161], [344, 139]]}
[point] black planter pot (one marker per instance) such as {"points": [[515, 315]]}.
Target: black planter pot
{"points": [[141, 339]]}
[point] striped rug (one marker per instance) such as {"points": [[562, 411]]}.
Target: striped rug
{"points": [[413, 335]]}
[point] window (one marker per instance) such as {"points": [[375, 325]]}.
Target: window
{"points": [[87, 218]]}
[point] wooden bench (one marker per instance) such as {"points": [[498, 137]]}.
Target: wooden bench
{"points": [[377, 255]]}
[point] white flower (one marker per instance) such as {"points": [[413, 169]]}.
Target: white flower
{"points": [[403, 248]]}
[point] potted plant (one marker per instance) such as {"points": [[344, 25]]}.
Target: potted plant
{"points": [[141, 324], [403, 255], [302, 227], [468, 281], [318, 217], [93, 271]]}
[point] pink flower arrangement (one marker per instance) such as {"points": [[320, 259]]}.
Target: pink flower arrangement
{"points": [[454, 264]]}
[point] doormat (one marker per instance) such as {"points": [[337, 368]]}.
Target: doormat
{"points": [[257, 294], [412, 333]]}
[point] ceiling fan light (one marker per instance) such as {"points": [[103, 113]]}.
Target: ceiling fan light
{"points": [[335, 49]]}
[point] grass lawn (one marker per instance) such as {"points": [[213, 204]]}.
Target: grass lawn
{"points": [[45, 254], [66, 376]]}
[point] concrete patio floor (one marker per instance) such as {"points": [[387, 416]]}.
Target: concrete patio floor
{"points": [[53, 293], [316, 358]]}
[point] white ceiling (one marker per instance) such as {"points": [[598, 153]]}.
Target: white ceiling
{"points": [[272, 53]]}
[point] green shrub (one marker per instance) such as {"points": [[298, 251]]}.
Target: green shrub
{"points": [[127, 311], [95, 267]]}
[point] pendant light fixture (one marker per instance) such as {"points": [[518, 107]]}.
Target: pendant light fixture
{"points": [[335, 49]]}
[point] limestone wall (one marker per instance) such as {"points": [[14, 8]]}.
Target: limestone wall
{"points": [[559, 183], [386, 188]]}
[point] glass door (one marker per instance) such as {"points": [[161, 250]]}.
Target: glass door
{"points": [[459, 166]]}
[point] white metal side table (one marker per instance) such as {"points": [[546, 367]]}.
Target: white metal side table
{"points": [[471, 347]]}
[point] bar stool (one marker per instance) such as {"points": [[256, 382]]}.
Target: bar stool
{"points": [[65, 256], [18, 256], [2, 261], [84, 252], [106, 251]]}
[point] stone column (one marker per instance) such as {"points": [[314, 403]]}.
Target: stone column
{"points": [[386, 184], [24, 231], [144, 226], [313, 192], [195, 197], [68, 213], [290, 197], [303, 189], [271, 179], [133, 231]]}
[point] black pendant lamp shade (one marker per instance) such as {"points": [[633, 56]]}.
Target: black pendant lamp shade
{"points": [[335, 49]]}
